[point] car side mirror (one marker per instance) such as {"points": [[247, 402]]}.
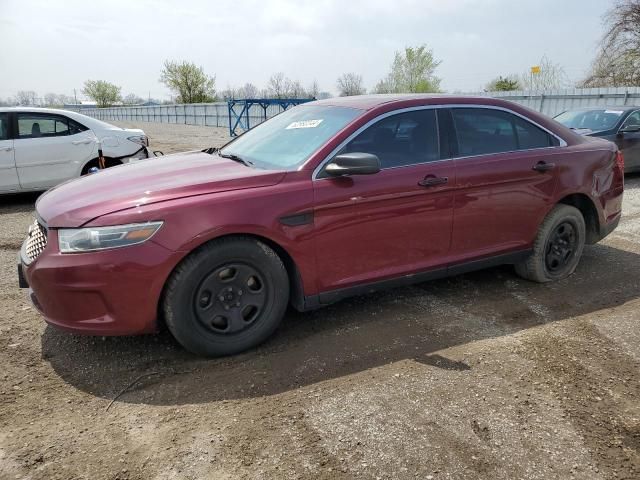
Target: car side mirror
{"points": [[356, 163], [630, 129]]}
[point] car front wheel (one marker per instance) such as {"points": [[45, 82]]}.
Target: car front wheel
{"points": [[227, 296], [557, 248]]}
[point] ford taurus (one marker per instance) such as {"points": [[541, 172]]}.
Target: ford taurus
{"points": [[329, 199]]}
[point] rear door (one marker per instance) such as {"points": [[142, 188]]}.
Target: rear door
{"points": [[50, 148], [395, 222], [506, 176], [8, 173], [629, 142]]}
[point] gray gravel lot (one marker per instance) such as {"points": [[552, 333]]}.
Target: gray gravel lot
{"points": [[481, 376]]}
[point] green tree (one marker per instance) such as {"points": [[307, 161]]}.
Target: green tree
{"points": [[189, 82], [103, 93], [412, 71], [503, 84]]}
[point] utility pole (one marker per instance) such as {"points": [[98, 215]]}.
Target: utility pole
{"points": [[75, 97]]}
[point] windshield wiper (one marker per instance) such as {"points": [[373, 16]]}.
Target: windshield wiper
{"points": [[236, 158]]}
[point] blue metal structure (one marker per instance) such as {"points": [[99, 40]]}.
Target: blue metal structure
{"points": [[239, 110]]}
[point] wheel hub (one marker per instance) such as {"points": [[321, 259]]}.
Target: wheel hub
{"points": [[561, 247], [230, 298]]}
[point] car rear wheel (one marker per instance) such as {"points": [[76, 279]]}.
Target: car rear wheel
{"points": [[557, 248], [226, 297]]}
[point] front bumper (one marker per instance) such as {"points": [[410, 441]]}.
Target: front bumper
{"points": [[109, 292]]}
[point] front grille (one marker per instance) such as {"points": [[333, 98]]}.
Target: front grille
{"points": [[36, 241]]}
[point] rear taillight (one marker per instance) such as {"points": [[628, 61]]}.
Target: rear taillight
{"points": [[620, 160]]}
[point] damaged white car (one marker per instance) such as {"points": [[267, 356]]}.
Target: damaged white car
{"points": [[40, 148]]}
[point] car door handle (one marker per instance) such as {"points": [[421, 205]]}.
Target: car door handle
{"points": [[432, 181], [6, 149], [80, 142], [543, 167]]}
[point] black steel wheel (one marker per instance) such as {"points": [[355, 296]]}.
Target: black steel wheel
{"points": [[227, 296], [231, 298], [561, 247], [557, 248]]}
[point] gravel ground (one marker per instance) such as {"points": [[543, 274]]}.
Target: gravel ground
{"points": [[171, 138], [481, 376]]}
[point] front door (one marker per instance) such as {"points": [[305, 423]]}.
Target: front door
{"points": [[629, 142], [395, 222], [49, 149], [506, 176], [8, 173]]}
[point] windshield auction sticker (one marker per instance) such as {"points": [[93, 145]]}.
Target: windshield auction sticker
{"points": [[304, 124]]}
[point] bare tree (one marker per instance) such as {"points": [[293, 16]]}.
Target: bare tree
{"points": [[350, 84], [278, 85], [550, 75], [296, 90], [314, 89], [132, 99], [52, 100], [248, 90], [27, 98], [617, 62]]}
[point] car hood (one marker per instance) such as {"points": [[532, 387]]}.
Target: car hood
{"points": [[158, 179]]}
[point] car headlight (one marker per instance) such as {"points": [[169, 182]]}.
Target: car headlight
{"points": [[88, 239], [140, 140]]}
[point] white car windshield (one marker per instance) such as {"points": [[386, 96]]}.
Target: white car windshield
{"points": [[287, 140]]}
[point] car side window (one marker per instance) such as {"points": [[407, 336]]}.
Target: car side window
{"points": [[530, 136], [4, 126], [75, 127], [398, 140], [483, 131], [632, 120], [42, 125]]}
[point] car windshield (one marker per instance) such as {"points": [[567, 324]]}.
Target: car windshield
{"points": [[593, 120], [290, 138]]}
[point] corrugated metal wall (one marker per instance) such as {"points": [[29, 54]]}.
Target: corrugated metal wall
{"points": [[216, 114], [553, 102]]}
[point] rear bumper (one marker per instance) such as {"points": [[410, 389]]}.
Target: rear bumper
{"points": [[111, 292], [609, 227]]}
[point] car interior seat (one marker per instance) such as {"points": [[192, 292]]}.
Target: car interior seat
{"points": [[35, 130]]}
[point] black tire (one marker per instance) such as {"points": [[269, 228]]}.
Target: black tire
{"points": [[108, 163], [225, 297], [557, 248]]}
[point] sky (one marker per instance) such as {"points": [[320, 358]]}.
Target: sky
{"points": [[54, 46]]}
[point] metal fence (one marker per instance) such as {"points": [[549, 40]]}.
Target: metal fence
{"points": [[217, 114], [553, 102], [205, 114]]}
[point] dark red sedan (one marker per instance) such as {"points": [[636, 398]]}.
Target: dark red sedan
{"points": [[328, 199]]}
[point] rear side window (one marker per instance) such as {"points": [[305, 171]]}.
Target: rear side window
{"points": [[403, 139], [4, 126], [481, 131], [75, 127], [43, 125]]}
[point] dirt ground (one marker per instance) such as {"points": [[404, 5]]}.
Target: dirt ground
{"points": [[481, 376]]}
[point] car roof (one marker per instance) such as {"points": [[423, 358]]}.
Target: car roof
{"points": [[33, 110], [368, 102]]}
